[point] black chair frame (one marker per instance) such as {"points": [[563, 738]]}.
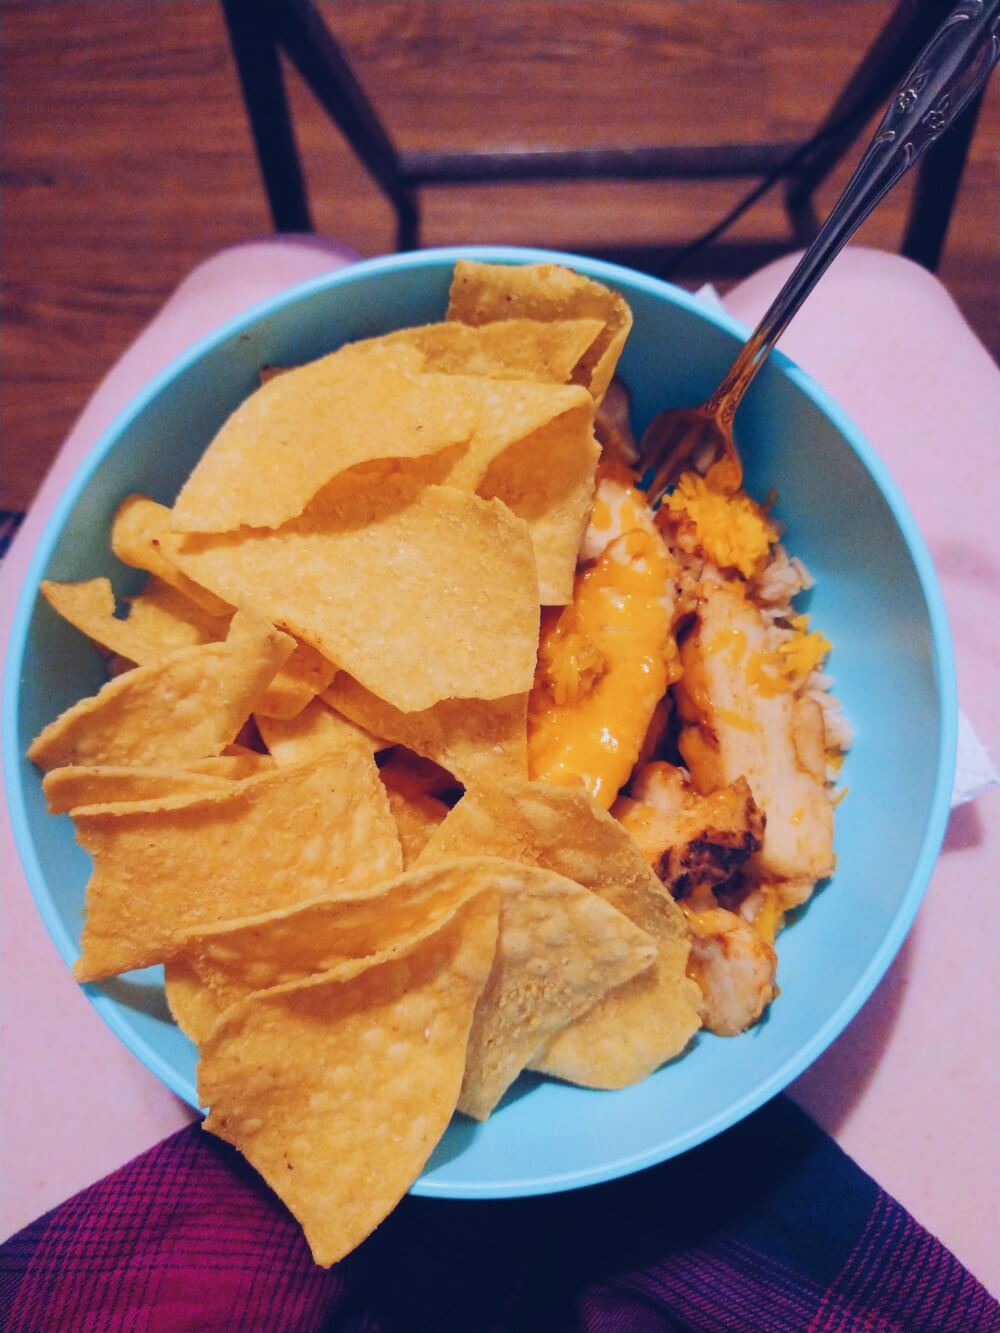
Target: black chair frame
{"points": [[261, 31]]}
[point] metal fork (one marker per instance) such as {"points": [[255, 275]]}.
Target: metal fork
{"points": [[947, 74]]}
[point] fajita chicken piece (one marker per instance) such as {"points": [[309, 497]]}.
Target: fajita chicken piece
{"points": [[733, 966], [763, 906], [690, 839], [619, 507], [742, 717]]}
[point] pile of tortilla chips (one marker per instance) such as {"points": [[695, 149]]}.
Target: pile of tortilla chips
{"points": [[356, 568]]}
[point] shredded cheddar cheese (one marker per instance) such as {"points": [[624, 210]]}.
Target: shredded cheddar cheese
{"points": [[733, 531], [804, 653], [788, 665], [731, 641]]}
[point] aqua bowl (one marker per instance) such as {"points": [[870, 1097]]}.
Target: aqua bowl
{"points": [[876, 598]]}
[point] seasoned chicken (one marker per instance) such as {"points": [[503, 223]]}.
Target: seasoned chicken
{"points": [[690, 839], [619, 507], [733, 966], [743, 718], [763, 906]]}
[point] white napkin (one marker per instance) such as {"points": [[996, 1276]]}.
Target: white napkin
{"points": [[974, 771]]}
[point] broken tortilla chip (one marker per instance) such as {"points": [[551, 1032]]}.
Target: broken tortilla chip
{"points": [[74, 785], [305, 674], [482, 293], [189, 705], [289, 439], [137, 532], [440, 574], [476, 740], [161, 867], [317, 730], [158, 622], [650, 1019], [523, 349], [90, 607], [559, 950], [337, 1089], [163, 621], [222, 964]]}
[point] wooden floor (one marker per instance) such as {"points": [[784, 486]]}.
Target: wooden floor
{"points": [[126, 157]]}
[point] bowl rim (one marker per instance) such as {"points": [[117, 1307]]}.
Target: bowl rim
{"points": [[943, 672]]}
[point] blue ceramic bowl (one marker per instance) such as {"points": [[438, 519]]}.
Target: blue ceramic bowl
{"points": [[876, 597]]}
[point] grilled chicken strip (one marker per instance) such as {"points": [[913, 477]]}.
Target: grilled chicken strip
{"points": [[743, 719], [690, 839], [734, 968]]}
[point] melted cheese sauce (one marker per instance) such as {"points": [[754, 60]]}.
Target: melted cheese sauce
{"points": [[604, 664]]}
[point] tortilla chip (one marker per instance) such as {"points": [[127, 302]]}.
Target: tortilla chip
{"points": [[511, 411], [224, 964], [534, 439], [157, 624], [445, 583], [534, 448], [167, 617], [137, 539], [90, 608], [75, 785], [233, 764], [522, 349], [189, 705], [483, 293], [305, 674], [477, 740], [298, 431], [317, 730], [548, 480], [416, 819], [312, 830], [185, 996], [560, 949], [110, 784], [338, 1088], [649, 1020]]}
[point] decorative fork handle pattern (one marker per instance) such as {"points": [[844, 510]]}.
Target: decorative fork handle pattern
{"points": [[943, 80]]}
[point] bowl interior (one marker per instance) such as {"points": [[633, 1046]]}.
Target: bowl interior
{"points": [[875, 598]]}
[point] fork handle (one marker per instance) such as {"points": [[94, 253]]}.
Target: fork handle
{"points": [[947, 74]]}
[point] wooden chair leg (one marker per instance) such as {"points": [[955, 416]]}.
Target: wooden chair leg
{"points": [[251, 34]]}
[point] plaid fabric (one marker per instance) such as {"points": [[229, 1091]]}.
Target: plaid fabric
{"points": [[769, 1228]]}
